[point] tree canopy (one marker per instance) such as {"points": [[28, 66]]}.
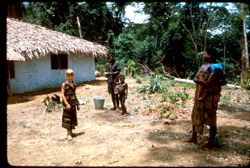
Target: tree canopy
{"points": [[175, 35]]}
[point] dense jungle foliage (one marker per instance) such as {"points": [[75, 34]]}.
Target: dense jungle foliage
{"points": [[174, 36]]}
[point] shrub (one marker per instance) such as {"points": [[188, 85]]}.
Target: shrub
{"points": [[246, 84], [153, 85], [138, 79], [132, 66], [159, 70], [165, 109], [142, 89], [183, 95]]}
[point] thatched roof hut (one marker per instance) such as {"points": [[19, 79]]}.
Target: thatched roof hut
{"points": [[37, 57], [25, 41]]}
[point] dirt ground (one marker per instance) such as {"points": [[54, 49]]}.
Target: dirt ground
{"points": [[105, 138]]}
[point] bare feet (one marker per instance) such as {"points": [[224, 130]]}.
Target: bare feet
{"points": [[113, 108], [208, 146], [69, 137], [125, 113]]}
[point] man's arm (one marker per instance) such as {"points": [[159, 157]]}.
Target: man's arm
{"points": [[107, 72]]}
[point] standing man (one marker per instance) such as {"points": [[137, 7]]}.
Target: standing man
{"points": [[111, 73]]}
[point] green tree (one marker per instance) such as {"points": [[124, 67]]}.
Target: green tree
{"points": [[96, 18], [245, 71]]}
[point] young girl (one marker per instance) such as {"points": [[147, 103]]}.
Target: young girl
{"points": [[70, 103]]}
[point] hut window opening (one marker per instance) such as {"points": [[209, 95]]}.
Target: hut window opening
{"points": [[11, 69], [59, 61]]}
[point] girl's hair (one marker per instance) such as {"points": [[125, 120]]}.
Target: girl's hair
{"points": [[69, 72]]}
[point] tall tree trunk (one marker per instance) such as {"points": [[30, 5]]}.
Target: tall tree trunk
{"points": [[224, 48], [207, 25], [194, 34], [79, 26], [224, 52], [245, 70]]}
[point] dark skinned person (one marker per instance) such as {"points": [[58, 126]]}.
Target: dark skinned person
{"points": [[122, 89], [112, 73], [204, 111]]}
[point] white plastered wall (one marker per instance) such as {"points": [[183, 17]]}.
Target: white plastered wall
{"points": [[36, 74]]}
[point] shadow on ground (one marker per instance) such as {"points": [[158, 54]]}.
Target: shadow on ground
{"points": [[29, 96], [171, 146], [97, 82], [78, 134], [19, 99], [110, 116], [237, 112], [235, 139]]}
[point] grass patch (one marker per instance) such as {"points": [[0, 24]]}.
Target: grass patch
{"points": [[175, 97], [225, 101], [218, 141], [241, 150]]}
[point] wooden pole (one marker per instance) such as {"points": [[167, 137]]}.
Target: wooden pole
{"points": [[79, 26], [9, 88]]}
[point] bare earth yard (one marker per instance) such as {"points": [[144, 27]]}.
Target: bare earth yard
{"points": [[105, 138]]}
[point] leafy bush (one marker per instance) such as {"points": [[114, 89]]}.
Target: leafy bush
{"points": [[101, 64], [142, 89], [159, 70], [153, 85], [169, 116], [183, 95], [165, 109], [246, 84], [190, 74], [138, 79], [175, 97], [172, 97], [132, 66], [50, 107], [164, 97]]}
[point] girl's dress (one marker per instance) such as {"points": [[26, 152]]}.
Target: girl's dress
{"points": [[69, 118]]}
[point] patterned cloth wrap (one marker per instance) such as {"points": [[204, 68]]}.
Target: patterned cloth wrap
{"points": [[69, 118], [204, 112]]}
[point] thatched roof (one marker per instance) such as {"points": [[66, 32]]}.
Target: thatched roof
{"points": [[25, 41]]}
